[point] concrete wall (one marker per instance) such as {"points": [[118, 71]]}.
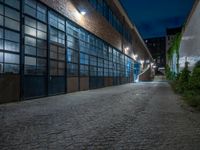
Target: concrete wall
{"points": [[147, 74], [190, 43]]}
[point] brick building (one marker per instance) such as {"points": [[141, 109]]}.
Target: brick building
{"points": [[50, 47], [156, 47]]}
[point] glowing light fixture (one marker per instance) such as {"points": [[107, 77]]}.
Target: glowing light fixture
{"points": [[83, 12], [135, 56], [126, 49], [142, 61]]}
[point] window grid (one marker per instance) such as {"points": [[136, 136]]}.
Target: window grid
{"points": [[35, 46], [103, 8], [95, 55], [57, 44], [9, 38]]}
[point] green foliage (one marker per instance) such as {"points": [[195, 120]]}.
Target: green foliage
{"points": [[174, 49], [169, 74], [192, 98], [183, 80], [194, 81], [188, 84]]}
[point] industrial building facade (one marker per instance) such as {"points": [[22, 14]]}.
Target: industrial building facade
{"points": [[50, 47]]}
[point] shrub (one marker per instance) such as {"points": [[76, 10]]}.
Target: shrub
{"points": [[192, 98], [188, 84], [194, 81], [169, 74], [183, 80]]}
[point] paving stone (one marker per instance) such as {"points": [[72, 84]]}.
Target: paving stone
{"points": [[133, 116]]}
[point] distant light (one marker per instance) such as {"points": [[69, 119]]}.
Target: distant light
{"points": [[83, 13], [147, 61], [142, 61]]}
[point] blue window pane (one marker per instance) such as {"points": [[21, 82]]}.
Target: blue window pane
{"points": [[11, 36], [13, 3], [11, 58]]}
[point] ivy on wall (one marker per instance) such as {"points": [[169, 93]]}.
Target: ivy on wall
{"points": [[174, 49]]}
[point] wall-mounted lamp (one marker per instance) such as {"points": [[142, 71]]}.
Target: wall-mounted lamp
{"points": [[127, 48], [135, 56], [81, 9], [83, 12]]}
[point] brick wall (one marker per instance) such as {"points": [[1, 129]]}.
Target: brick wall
{"points": [[92, 21], [98, 25]]}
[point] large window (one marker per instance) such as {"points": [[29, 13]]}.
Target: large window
{"points": [[65, 43], [9, 17], [72, 69], [57, 44], [84, 41], [103, 8], [9, 51], [73, 49], [128, 66], [92, 41], [57, 60], [9, 37], [36, 10], [122, 65], [84, 70], [35, 47], [93, 66], [84, 62]]}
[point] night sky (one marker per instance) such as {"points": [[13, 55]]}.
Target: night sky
{"points": [[152, 17]]}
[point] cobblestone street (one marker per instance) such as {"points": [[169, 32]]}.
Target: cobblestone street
{"points": [[145, 116]]}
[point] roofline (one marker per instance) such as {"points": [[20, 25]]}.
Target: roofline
{"points": [[158, 37], [123, 11], [145, 46], [191, 14], [131, 24]]}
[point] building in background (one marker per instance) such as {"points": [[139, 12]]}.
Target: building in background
{"points": [[170, 36], [50, 47], [156, 47]]}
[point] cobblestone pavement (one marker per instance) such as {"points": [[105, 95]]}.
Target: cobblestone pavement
{"points": [[145, 116]]}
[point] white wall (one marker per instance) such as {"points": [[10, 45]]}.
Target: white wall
{"points": [[190, 43]]}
